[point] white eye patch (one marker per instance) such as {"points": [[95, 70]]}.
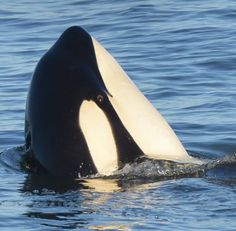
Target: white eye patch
{"points": [[99, 137]]}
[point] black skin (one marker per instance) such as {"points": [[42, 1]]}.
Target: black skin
{"points": [[64, 77]]}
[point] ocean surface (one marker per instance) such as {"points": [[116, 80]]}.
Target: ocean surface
{"points": [[182, 55]]}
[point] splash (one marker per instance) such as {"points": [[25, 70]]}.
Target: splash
{"points": [[142, 168], [164, 169]]}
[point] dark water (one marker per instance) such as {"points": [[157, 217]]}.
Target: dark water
{"points": [[182, 55]]}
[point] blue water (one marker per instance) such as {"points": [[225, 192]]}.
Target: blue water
{"points": [[182, 55]]}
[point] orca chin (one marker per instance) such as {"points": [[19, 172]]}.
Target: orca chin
{"points": [[85, 116]]}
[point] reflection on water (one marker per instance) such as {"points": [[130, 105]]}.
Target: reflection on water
{"points": [[110, 227], [114, 204], [75, 204], [42, 183], [103, 185]]}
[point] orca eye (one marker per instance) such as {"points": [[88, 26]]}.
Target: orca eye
{"points": [[100, 98]]}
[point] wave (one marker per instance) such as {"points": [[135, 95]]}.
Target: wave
{"points": [[10, 160]]}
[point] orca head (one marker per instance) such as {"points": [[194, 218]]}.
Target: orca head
{"points": [[95, 133], [112, 121]]}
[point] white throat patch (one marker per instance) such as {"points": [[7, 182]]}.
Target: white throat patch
{"points": [[144, 123]]}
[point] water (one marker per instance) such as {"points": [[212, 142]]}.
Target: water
{"points": [[182, 55]]}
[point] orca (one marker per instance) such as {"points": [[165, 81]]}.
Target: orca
{"points": [[85, 116]]}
